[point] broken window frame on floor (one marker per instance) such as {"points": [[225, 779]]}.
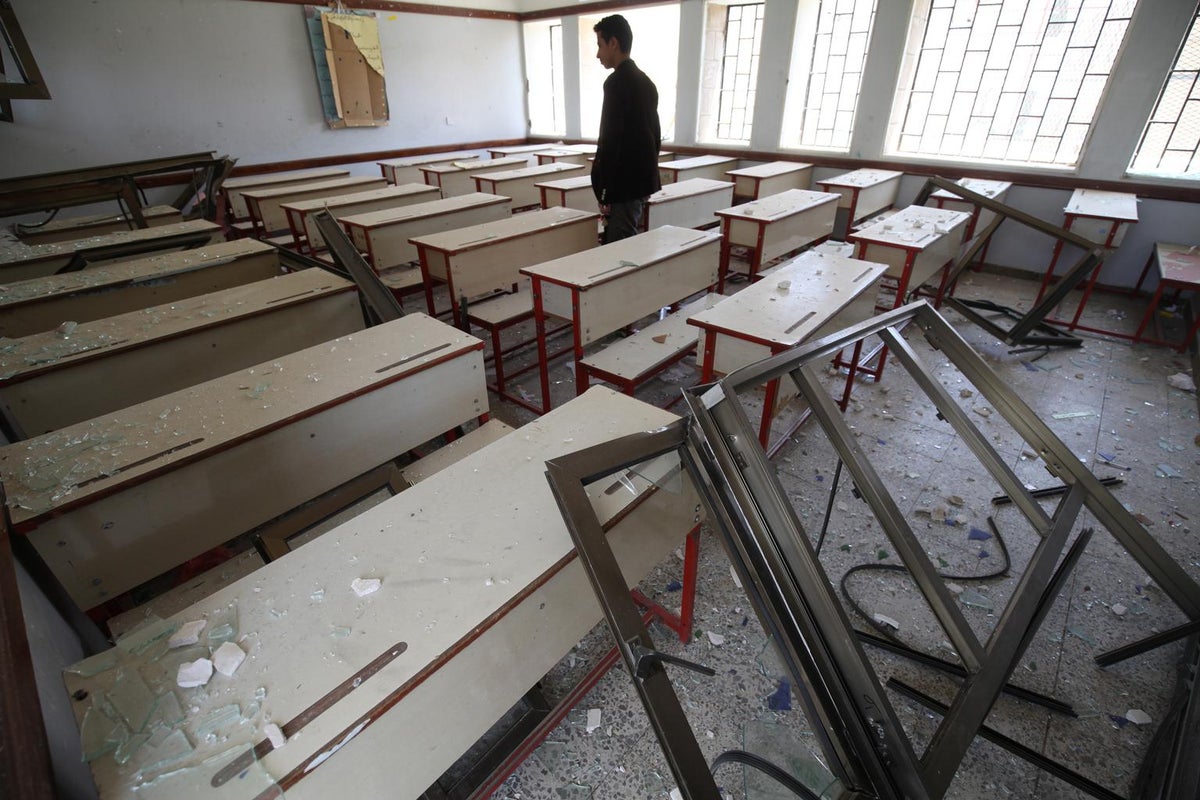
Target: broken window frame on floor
{"points": [[1029, 329], [861, 736]]}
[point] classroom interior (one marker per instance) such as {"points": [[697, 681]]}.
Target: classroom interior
{"points": [[277, 517]]}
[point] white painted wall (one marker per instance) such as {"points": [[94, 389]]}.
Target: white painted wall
{"points": [[135, 79]]}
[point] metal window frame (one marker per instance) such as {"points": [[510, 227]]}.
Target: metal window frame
{"points": [[861, 736], [32, 85], [1028, 329]]}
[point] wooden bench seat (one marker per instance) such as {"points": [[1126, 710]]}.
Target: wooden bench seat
{"points": [[631, 361], [495, 315], [455, 451]]}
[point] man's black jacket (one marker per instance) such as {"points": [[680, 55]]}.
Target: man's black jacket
{"points": [[626, 165]]}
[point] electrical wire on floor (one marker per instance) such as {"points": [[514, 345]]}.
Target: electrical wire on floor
{"points": [[766, 768]]}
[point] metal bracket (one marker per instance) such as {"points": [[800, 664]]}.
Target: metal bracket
{"points": [[647, 660]]}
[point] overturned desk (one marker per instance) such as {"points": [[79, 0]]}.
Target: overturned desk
{"points": [[41, 304], [114, 501], [20, 262], [49, 381], [480, 595]]}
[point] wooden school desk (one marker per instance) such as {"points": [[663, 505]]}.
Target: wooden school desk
{"points": [[455, 178], [481, 595], [753, 183], [479, 259], [569, 193], [916, 243], [41, 304], [606, 288], [864, 193], [49, 381], [1178, 269], [384, 235], [64, 230], [682, 169], [232, 188], [266, 205], [775, 225], [408, 170], [692, 203], [980, 217], [525, 151], [112, 502], [805, 298], [1104, 218], [561, 155], [301, 214], [521, 184], [19, 261]]}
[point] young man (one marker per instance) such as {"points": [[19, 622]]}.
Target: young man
{"points": [[625, 171]]}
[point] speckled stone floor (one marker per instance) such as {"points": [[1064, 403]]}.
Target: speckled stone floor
{"points": [[1109, 401]]}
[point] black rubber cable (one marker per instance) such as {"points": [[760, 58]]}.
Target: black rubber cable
{"points": [[767, 768]]}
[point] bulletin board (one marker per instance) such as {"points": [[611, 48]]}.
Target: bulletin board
{"points": [[349, 64]]}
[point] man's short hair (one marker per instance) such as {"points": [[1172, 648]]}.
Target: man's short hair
{"points": [[616, 27]]}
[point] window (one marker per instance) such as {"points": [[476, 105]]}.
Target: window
{"points": [[732, 40], [1006, 81], [544, 77], [1169, 146], [829, 50], [656, 51]]}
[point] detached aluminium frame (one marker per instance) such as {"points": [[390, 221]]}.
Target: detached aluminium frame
{"points": [[1028, 329], [865, 745]]}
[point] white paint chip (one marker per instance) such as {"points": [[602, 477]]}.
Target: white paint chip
{"points": [[1138, 717], [188, 633], [1119, 609], [593, 719], [194, 673], [888, 621], [227, 658], [733, 574], [365, 586], [716, 638], [274, 735]]}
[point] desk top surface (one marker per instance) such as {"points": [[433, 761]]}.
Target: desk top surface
{"points": [[131, 271], [778, 206], [284, 177], [558, 152], [15, 251], [978, 186], [65, 225], [517, 148], [347, 182], [400, 190], [82, 462], [861, 178], [432, 208], [689, 188], [795, 299], [695, 162], [456, 551], [540, 171], [612, 261], [469, 166], [912, 228], [1178, 262], [23, 358], [585, 147], [567, 184], [770, 169], [1105, 205], [429, 158], [496, 231]]}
